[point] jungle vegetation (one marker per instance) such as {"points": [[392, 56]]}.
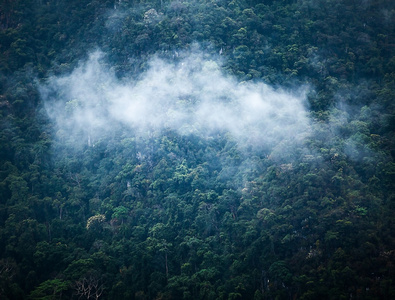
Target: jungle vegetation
{"points": [[167, 215]]}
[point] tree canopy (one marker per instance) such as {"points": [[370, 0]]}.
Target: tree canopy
{"points": [[197, 149]]}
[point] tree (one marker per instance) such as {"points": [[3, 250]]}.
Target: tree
{"points": [[50, 290], [89, 287]]}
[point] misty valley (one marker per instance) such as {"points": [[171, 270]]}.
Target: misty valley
{"points": [[197, 149]]}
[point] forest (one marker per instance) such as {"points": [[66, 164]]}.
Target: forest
{"points": [[184, 149]]}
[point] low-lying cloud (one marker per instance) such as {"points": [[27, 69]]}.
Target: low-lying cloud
{"points": [[190, 96]]}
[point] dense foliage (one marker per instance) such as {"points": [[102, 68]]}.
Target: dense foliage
{"points": [[170, 216]]}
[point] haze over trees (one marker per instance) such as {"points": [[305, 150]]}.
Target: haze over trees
{"points": [[197, 149]]}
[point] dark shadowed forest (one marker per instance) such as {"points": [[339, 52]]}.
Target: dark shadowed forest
{"points": [[188, 149]]}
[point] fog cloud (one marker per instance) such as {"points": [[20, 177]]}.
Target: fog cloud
{"points": [[190, 96]]}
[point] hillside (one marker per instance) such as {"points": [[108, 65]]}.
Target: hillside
{"points": [[197, 149]]}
